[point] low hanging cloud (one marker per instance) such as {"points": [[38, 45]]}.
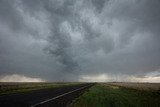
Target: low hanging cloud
{"points": [[80, 40], [19, 78], [149, 77]]}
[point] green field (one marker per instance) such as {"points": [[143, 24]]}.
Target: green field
{"points": [[8, 88], [108, 95]]}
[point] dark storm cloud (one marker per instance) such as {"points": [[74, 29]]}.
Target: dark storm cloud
{"points": [[99, 4], [64, 39], [9, 15]]}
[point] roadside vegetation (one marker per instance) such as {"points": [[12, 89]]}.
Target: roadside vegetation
{"points": [[107, 95], [8, 88]]}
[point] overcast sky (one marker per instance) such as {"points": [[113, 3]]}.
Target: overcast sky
{"points": [[80, 40]]}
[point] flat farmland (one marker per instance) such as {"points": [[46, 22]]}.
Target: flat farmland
{"points": [[73, 94], [16, 87], [139, 86], [120, 95]]}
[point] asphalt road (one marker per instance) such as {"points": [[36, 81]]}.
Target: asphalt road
{"points": [[53, 97]]}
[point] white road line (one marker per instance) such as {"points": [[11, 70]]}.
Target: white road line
{"points": [[59, 96]]}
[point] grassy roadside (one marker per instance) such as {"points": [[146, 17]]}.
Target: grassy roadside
{"points": [[103, 95], [9, 88]]}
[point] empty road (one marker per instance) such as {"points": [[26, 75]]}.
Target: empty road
{"points": [[52, 97]]}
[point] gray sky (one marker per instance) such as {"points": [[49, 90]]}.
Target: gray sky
{"points": [[80, 40]]}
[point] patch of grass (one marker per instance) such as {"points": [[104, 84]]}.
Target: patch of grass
{"points": [[20, 87], [102, 95]]}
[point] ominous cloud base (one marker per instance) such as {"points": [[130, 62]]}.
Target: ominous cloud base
{"points": [[80, 40]]}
